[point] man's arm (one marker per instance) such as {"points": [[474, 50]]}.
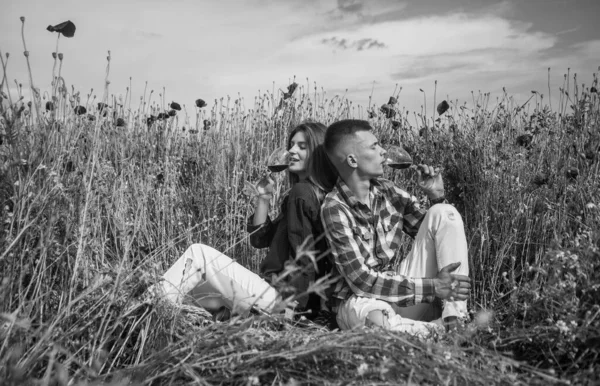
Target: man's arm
{"points": [[412, 213], [363, 280]]}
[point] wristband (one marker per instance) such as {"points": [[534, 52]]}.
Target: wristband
{"points": [[265, 197]]}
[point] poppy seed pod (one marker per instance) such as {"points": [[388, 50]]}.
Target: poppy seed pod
{"points": [[540, 179], [22, 19], [175, 106], [389, 111], [442, 107], [172, 113], [292, 87], [525, 140], [392, 101], [80, 110], [54, 55], [200, 103], [66, 28], [207, 124], [60, 56], [572, 173]]}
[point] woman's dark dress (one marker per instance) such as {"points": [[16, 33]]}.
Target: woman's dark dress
{"points": [[299, 219]]}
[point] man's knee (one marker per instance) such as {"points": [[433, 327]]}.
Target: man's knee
{"points": [[445, 212], [378, 318]]}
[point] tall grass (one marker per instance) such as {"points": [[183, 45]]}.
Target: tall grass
{"points": [[93, 211]]}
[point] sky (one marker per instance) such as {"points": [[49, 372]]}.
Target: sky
{"points": [[358, 48]]}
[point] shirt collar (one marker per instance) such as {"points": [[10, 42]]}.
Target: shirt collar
{"points": [[348, 195]]}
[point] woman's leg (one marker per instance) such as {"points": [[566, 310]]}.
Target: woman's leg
{"points": [[440, 241], [208, 278]]}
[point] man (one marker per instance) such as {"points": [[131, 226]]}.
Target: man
{"points": [[364, 217]]}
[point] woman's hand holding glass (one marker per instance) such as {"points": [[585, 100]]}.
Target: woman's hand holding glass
{"points": [[265, 187], [277, 162]]}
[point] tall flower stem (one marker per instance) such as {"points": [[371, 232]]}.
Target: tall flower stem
{"points": [[34, 92]]}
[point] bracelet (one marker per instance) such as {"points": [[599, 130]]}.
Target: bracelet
{"points": [[265, 197]]}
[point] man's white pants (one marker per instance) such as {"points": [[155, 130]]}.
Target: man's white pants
{"points": [[440, 241], [207, 278]]}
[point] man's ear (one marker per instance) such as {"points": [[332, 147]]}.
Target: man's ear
{"points": [[352, 161]]}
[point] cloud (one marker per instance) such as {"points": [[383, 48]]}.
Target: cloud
{"points": [[422, 68], [350, 6], [358, 45], [357, 12], [264, 44], [147, 34]]}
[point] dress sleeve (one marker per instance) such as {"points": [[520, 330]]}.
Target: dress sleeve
{"points": [[261, 235]]}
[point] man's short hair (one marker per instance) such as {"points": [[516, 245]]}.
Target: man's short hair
{"points": [[338, 131]]}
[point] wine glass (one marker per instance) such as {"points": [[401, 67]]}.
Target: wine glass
{"points": [[279, 160], [398, 158]]}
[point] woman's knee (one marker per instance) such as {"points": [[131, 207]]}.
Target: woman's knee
{"points": [[205, 254]]}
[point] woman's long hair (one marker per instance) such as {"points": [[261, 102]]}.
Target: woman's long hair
{"points": [[314, 133], [321, 173]]}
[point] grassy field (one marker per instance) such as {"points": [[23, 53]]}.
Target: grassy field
{"points": [[95, 205]]}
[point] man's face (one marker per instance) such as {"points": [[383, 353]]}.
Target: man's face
{"points": [[370, 157]]}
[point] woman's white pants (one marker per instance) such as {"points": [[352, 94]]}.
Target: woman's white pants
{"points": [[207, 278]]}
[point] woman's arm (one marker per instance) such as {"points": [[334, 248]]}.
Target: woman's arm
{"points": [[261, 210], [261, 235], [260, 227], [265, 188]]}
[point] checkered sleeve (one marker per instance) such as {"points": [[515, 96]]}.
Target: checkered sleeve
{"points": [[412, 213], [349, 256]]}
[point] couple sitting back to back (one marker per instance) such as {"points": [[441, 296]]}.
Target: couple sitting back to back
{"points": [[362, 217]]}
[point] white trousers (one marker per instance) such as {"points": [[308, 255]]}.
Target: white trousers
{"points": [[440, 241], [207, 278]]}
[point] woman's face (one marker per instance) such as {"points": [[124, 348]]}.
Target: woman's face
{"points": [[298, 155]]}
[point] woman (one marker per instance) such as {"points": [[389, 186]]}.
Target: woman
{"points": [[206, 277]]}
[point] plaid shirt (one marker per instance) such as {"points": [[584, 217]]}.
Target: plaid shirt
{"points": [[363, 243]]}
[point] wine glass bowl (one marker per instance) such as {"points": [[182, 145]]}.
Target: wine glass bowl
{"points": [[279, 160], [398, 158]]}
